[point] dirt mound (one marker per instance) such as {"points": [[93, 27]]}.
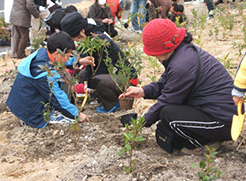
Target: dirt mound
{"points": [[50, 153]]}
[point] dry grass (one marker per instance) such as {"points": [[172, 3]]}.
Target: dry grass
{"points": [[83, 7]]}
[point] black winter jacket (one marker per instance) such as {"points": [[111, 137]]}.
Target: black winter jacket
{"points": [[211, 93]]}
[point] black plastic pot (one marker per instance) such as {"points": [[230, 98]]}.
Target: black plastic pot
{"points": [[126, 119]]}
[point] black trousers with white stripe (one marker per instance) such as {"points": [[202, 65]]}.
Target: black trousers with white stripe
{"points": [[191, 127]]}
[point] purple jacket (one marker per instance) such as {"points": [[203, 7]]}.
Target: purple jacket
{"points": [[211, 93]]}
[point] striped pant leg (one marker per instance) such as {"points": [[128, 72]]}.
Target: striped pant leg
{"points": [[192, 127]]}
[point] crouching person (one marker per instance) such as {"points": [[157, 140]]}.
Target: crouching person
{"points": [[78, 28], [194, 102], [31, 88]]}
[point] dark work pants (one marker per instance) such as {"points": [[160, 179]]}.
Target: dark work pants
{"points": [[107, 91], [191, 127], [19, 40], [210, 6]]}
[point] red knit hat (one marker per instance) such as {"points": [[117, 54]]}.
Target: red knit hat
{"points": [[161, 36]]}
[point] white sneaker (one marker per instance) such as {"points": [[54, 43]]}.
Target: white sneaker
{"points": [[58, 118]]}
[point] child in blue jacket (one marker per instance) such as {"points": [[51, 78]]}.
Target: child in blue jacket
{"points": [[32, 85]]}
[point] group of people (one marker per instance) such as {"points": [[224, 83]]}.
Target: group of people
{"points": [[196, 96], [26, 14], [143, 11]]}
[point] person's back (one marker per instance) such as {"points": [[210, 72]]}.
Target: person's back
{"points": [[212, 90], [118, 6], [53, 21], [21, 13], [114, 6], [20, 19], [165, 5]]}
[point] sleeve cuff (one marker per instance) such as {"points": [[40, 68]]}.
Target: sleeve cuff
{"points": [[237, 93]]}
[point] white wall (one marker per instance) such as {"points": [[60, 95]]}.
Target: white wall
{"points": [[7, 9]]}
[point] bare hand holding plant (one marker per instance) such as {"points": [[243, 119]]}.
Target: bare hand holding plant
{"points": [[107, 20], [89, 60], [132, 91], [83, 117]]}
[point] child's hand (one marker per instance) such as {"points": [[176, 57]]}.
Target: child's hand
{"points": [[83, 117], [73, 88], [237, 99]]}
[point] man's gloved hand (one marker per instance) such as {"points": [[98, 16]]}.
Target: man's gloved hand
{"points": [[41, 8]]}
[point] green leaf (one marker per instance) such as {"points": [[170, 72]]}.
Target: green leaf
{"points": [[194, 165], [214, 153], [200, 174], [126, 136], [140, 138], [130, 135], [128, 147], [206, 178], [122, 151], [75, 126], [202, 164], [62, 53], [127, 170]]}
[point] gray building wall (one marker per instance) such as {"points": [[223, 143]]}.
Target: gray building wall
{"points": [[1, 8]]}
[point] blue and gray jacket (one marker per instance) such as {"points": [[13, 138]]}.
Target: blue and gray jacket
{"points": [[31, 90]]}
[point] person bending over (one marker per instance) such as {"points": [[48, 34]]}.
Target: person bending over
{"points": [[194, 102], [31, 89]]}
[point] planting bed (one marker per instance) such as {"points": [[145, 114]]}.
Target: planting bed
{"points": [[49, 154]]}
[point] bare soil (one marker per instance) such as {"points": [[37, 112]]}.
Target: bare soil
{"points": [[50, 153]]}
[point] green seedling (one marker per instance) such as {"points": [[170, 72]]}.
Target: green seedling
{"points": [[198, 41], [207, 171], [12, 73], [241, 46], [226, 62], [155, 69], [131, 136], [226, 21], [122, 72], [95, 47], [37, 42]]}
